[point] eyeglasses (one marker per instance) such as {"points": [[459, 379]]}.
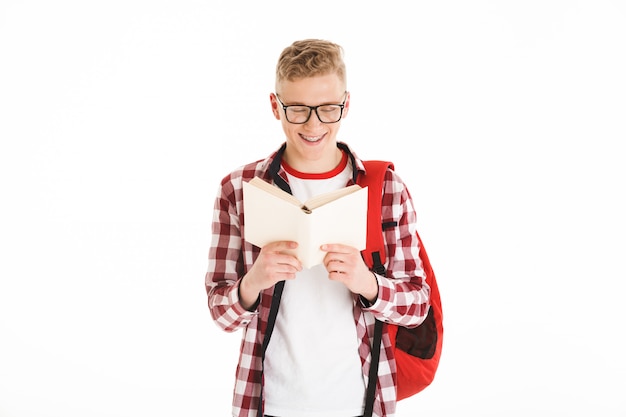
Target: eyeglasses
{"points": [[326, 113]]}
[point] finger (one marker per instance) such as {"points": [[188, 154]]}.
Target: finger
{"points": [[281, 276], [335, 265], [289, 262], [338, 261], [279, 252], [281, 245], [277, 262], [337, 248], [338, 276]]}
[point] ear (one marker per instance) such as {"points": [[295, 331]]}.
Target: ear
{"points": [[275, 106]]}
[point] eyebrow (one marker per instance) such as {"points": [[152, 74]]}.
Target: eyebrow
{"points": [[286, 103]]}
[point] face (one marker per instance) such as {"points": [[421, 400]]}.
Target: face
{"points": [[311, 146]]}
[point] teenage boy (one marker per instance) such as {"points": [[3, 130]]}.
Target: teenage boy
{"points": [[318, 357]]}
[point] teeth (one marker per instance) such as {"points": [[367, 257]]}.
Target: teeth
{"points": [[311, 138]]}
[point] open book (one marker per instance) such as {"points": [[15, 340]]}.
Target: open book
{"points": [[271, 214]]}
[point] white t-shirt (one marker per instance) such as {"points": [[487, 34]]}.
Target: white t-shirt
{"points": [[312, 363]]}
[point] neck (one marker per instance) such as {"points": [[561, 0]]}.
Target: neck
{"points": [[322, 164]]}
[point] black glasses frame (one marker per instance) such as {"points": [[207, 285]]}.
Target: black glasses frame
{"points": [[312, 109]]}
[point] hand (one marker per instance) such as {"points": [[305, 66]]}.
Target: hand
{"points": [[271, 266], [345, 264]]}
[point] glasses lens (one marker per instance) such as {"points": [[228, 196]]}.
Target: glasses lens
{"points": [[329, 113], [297, 114]]}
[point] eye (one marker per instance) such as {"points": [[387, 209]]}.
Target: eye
{"points": [[328, 109]]}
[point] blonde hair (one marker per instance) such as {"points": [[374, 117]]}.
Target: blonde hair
{"points": [[310, 58]]}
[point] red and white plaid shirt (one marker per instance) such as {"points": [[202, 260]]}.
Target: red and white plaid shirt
{"points": [[403, 296]]}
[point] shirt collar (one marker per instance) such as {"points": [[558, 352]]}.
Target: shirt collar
{"points": [[279, 176]]}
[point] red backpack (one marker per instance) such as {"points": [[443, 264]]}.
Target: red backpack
{"points": [[417, 350]]}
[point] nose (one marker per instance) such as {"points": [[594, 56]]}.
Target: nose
{"points": [[314, 118]]}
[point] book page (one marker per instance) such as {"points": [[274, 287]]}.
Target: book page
{"points": [[268, 218], [274, 190], [320, 200], [341, 221]]}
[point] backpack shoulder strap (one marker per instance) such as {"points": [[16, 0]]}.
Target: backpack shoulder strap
{"points": [[374, 179]]}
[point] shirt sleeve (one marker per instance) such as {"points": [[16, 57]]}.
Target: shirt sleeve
{"points": [[403, 294], [226, 254]]}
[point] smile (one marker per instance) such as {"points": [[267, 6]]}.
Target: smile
{"points": [[312, 138]]}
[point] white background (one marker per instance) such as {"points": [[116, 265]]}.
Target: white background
{"points": [[119, 118]]}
